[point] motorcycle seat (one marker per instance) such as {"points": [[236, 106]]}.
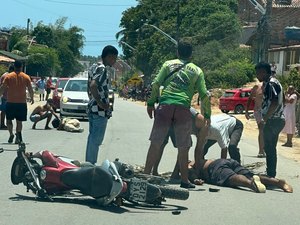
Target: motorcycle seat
{"points": [[93, 181]]}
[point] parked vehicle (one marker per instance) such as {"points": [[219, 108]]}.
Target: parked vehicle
{"points": [[236, 100], [74, 99], [48, 176], [57, 92]]}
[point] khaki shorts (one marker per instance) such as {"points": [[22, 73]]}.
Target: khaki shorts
{"points": [[177, 116]]}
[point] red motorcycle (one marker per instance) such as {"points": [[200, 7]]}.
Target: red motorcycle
{"points": [[48, 175]]}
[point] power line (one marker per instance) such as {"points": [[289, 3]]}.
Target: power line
{"points": [[85, 4]]}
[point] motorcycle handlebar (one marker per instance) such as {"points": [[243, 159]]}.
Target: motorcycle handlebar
{"points": [[125, 170], [21, 148]]}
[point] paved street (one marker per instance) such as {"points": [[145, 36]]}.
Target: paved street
{"points": [[127, 139]]}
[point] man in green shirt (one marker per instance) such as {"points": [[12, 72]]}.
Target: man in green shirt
{"points": [[180, 79]]}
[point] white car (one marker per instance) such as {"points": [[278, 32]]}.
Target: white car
{"points": [[74, 100]]}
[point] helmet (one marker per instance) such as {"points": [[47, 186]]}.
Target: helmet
{"points": [[55, 122]]}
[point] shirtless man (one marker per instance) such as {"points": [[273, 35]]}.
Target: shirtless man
{"points": [[229, 173], [257, 95], [42, 112], [67, 124]]}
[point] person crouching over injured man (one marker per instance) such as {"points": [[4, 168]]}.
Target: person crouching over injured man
{"points": [[43, 112], [67, 124]]}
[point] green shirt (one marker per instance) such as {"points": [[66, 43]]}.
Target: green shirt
{"points": [[180, 87]]}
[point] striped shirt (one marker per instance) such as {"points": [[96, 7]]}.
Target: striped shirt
{"points": [[273, 90], [99, 74]]}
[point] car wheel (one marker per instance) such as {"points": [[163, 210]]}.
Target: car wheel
{"points": [[239, 109], [225, 111]]}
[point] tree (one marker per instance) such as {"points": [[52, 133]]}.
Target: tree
{"points": [[68, 44], [42, 61], [199, 21]]}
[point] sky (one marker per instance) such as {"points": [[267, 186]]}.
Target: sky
{"points": [[100, 19]]}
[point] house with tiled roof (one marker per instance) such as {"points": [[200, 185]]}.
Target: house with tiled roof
{"points": [[284, 21]]}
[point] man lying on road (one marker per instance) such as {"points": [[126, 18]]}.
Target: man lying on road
{"points": [[67, 124], [229, 173]]}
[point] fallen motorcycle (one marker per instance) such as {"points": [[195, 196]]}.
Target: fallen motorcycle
{"points": [[48, 175]]}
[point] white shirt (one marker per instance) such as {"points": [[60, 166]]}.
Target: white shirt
{"points": [[221, 127]]}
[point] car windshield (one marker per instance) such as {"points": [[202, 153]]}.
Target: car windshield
{"points": [[228, 94], [62, 83], [76, 85]]}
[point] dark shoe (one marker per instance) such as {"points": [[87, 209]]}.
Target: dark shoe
{"points": [[11, 138], [187, 185], [18, 139], [3, 127], [287, 145]]}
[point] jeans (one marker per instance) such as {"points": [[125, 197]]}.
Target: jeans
{"points": [[97, 127], [271, 131]]}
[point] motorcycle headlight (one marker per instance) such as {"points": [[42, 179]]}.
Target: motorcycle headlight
{"points": [[65, 99], [43, 174]]}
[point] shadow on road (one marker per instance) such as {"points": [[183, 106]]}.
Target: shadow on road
{"points": [[127, 207]]}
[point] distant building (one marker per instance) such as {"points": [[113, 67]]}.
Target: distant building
{"points": [[284, 15]]}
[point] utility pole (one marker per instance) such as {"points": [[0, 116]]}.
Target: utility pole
{"points": [[177, 20], [28, 21], [264, 33]]}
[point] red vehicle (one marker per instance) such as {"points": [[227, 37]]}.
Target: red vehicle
{"points": [[235, 100], [60, 84], [49, 176]]}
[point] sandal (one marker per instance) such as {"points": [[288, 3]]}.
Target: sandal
{"points": [[259, 187], [187, 185], [261, 155], [287, 145]]}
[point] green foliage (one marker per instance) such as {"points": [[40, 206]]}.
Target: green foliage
{"points": [[224, 66], [68, 44], [3, 69], [42, 61], [212, 27], [292, 79], [16, 36]]}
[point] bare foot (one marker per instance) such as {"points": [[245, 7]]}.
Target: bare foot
{"points": [[47, 128], [285, 186]]}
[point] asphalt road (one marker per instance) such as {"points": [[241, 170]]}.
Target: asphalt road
{"points": [[127, 138]]}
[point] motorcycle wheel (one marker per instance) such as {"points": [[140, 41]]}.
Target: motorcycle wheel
{"points": [[17, 171], [174, 193]]}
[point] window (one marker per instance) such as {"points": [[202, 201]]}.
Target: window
{"points": [[228, 94]]}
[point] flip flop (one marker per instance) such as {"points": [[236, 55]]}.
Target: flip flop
{"points": [[261, 155], [259, 187]]}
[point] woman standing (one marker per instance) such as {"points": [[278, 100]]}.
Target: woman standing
{"points": [[290, 115]]}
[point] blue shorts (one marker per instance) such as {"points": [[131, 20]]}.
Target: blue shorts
{"points": [[38, 117], [3, 104]]}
